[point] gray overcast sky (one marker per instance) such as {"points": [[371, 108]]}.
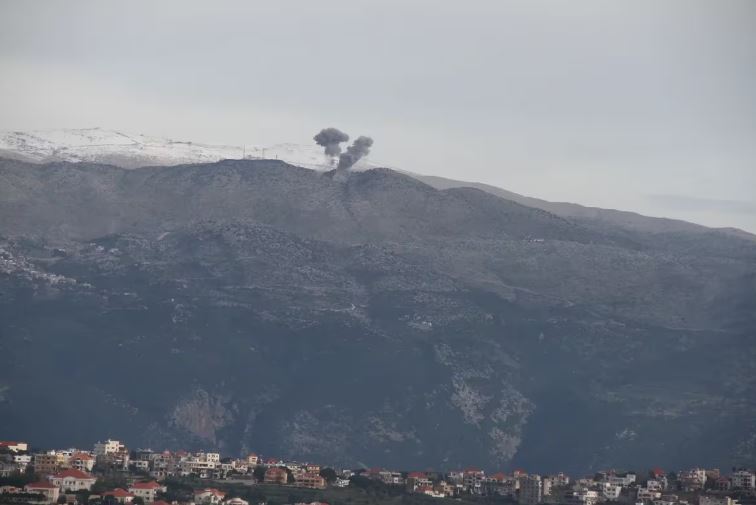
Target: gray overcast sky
{"points": [[640, 105]]}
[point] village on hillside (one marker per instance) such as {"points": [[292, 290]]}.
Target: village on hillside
{"points": [[112, 474]]}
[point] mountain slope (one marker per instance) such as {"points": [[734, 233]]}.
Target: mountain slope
{"points": [[364, 317], [129, 150]]}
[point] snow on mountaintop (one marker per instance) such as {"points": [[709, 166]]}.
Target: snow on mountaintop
{"points": [[134, 150]]}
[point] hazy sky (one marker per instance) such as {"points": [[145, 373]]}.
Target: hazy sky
{"points": [[639, 105]]}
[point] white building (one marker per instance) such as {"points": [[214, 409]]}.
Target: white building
{"points": [[147, 491], [610, 492], [108, 447], [586, 496], [621, 480], [716, 500], [743, 479], [208, 496]]}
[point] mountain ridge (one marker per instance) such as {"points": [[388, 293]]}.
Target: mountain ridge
{"points": [[136, 150], [364, 316]]}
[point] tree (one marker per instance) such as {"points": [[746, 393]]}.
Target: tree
{"points": [[329, 474], [259, 473], [138, 500], [289, 475], [62, 499]]}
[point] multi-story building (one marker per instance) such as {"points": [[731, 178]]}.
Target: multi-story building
{"points": [[81, 461], [473, 479], [646, 495], [49, 462], [108, 447], [531, 490], [203, 464], [586, 496], [743, 479], [72, 480], [22, 461], [610, 492], [311, 480], [623, 480]]}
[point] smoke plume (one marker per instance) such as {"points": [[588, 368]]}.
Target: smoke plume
{"points": [[330, 138], [359, 148]]}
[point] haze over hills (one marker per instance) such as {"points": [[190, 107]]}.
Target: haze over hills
{"points": [[366, 317]]}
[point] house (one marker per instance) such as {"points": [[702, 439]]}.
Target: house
{"points": [[429, 491], [47, 489], [14, 446], [208, 496], [253, 459], [276, 475], [10, 490], [722, 484], [72, 480], [416, 480], [82, 461], [147, 491], [310, 480], [120, 495]]}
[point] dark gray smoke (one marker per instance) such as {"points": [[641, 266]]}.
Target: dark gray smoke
{"points": [[359, 148], [330, 138]]}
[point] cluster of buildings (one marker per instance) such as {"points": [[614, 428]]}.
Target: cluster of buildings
{"points": [[68, 473], [689, 487]]}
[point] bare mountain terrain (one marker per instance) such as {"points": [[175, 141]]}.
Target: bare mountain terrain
{"points": [[366, 317]]}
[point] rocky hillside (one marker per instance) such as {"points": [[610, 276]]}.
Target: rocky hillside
{"points": [[365, 317]]}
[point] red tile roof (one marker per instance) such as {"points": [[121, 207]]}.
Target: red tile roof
{"points": [[73, 473], [145, 485], [416, 475], [118, 493], [40, 485]]}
